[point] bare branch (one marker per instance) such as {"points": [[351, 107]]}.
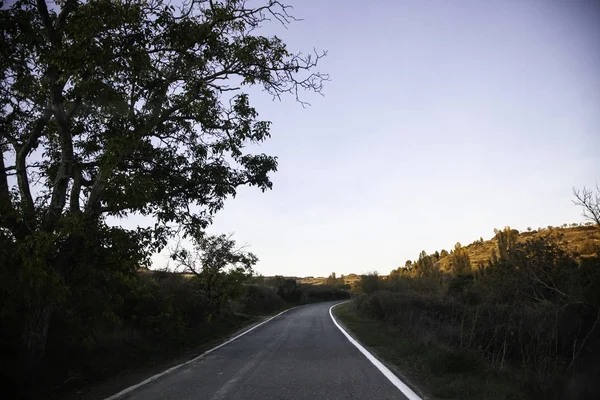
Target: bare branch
{"points": [[590, 202]]}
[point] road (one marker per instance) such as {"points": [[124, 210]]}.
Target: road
{"points": [[300, 354]]}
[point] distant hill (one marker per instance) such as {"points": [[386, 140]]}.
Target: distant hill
{"points": [[581, 240], [311, 280]]}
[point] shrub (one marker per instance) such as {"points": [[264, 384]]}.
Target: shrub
{"points": [[261, 299], [589, 247]]}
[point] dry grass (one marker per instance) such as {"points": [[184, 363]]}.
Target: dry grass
{"points": [[438, 371]]}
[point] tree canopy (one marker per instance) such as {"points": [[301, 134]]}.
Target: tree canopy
{"points": [[114, 107]]}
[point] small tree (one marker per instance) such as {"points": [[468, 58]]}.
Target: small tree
{"points": [[332, 279], [493, 257], [219, 266], [461, 263], [507, 240], [426, 265]]}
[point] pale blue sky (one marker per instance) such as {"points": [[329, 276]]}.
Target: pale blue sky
{"points": [[443, 120]]}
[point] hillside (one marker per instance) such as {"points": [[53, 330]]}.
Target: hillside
{"points": [[311, 280], [581, 240]]}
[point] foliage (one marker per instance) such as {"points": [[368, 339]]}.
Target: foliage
{"points": [[507, 240], [368, 283], [219, 267], [460, 262], [536, 311], [288, 289], [426, 265]]}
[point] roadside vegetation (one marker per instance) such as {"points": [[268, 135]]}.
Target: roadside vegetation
{"points": [[515, 317], [119, 319]]}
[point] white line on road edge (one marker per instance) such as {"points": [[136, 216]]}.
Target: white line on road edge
{"points": [[410, 395], [154, 377]]}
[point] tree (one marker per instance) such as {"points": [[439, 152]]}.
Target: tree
{"points": [[369, 283], [507, 240], [590, 202], [117, 107], [219, 266], [426, 265], [332, 279], [460, 261]]}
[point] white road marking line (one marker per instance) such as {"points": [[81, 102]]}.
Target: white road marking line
{"points": [[154, 377], [410, 395]]}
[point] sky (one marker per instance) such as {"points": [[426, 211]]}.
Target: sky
{"points": [[443, 120]]}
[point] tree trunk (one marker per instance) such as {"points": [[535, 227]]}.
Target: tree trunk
{"points": [[35, 335]]}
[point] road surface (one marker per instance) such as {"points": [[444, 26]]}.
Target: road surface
{"points": [[300, 354]]}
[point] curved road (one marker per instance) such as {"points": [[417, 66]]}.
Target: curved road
{"points": [[300, 354]]}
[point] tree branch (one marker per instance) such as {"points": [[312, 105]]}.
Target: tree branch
{"points": [[22, 152], [6, 207], [46, 20], [62, 17], [75, 191], [590, 203], [64, 173]]}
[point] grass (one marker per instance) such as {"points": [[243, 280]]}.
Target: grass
{"points": [[438, 372]]}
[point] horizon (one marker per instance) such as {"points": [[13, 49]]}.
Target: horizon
{"points": [[442, 121]]}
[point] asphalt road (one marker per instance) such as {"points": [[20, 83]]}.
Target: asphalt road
{"points": [[300, 354]]}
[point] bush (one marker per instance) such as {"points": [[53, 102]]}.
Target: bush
{"points": [[261, 299], [589, 247]]}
